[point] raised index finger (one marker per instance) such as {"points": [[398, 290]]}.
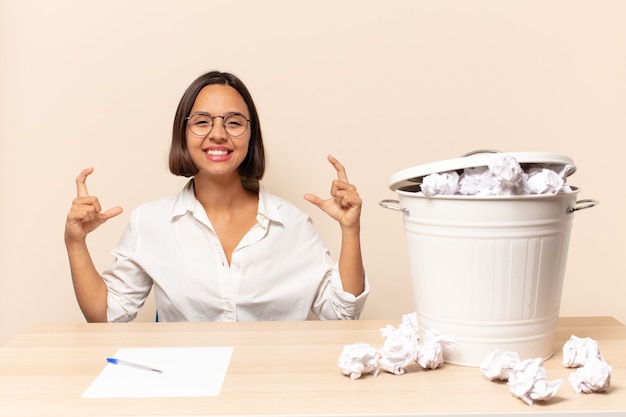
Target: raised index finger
{"points": [[341, 171], [81, 182]]}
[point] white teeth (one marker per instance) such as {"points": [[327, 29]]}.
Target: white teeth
{"points": [[217, 153]]}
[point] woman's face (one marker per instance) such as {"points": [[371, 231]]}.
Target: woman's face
{"points": [[218, 153]]}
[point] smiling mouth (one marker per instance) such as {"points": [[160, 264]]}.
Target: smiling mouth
{"points": [[214, 152]]}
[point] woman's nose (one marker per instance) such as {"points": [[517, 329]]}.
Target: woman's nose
{"points": [[218, 132]]}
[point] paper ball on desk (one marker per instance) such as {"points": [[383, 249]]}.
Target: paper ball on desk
{"points": [[577, 350], [528, 381], [399, 350], [594, 376], [499, 364], [430, 354], [358, 359]]}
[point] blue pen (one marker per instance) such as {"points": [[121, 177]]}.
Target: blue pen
{"points": [[122, 362]]}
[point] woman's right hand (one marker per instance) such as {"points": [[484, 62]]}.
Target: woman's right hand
{"points": [[86, 213]]}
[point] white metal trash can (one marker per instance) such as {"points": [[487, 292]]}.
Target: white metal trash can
{"points": [[487, 271]]}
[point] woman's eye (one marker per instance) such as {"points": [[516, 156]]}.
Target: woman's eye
{"points": [[235, 120]]}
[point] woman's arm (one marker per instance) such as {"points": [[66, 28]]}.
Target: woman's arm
{"points": [[345, 207], [85, 216]]}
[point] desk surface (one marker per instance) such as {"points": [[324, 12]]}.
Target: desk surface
{"points": [[283, 368]]}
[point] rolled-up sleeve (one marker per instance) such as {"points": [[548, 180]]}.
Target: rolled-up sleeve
{"points": [[128, 284], [333, 303]]}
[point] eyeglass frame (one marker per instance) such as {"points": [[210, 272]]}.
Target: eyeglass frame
{"points": [[234, 113]]}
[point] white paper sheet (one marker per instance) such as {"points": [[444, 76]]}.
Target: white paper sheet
{"points": [[186, 372]]}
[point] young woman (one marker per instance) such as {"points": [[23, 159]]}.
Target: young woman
{"points": [[223, 249]]}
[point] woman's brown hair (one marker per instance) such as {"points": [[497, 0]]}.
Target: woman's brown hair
{"points": [[252, 168]]}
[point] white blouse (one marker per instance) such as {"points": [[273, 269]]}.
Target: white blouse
{"points": [[280, 270]]}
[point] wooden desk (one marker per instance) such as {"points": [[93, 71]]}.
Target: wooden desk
{"points": [[283, 368]]}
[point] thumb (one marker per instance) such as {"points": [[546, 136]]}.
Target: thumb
{"points": [[112, 212], [313, 199]]}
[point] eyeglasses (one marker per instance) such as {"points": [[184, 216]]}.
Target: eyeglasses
{"points": [[201, 124]]}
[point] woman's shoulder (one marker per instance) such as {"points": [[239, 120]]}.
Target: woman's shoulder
{"points": [[166, 206], [158, 204], [150, 210]]}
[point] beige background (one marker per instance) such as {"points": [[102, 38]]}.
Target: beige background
{"points": [[382, 85]]}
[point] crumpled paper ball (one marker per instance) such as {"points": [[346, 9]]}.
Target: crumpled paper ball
{"points": [[577, 350], [499, 364], [476, 181], [446, 183], [593, 376], [358, 359], [543, 181], [528, 381], [399, 350], [430, 354], [508, 174]]}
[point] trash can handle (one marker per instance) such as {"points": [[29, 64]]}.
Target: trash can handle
{"points": [[480, 151], [583, 204], [393, 205]]}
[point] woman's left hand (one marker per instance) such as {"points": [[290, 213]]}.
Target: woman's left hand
{"points": [[344, 204]]}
